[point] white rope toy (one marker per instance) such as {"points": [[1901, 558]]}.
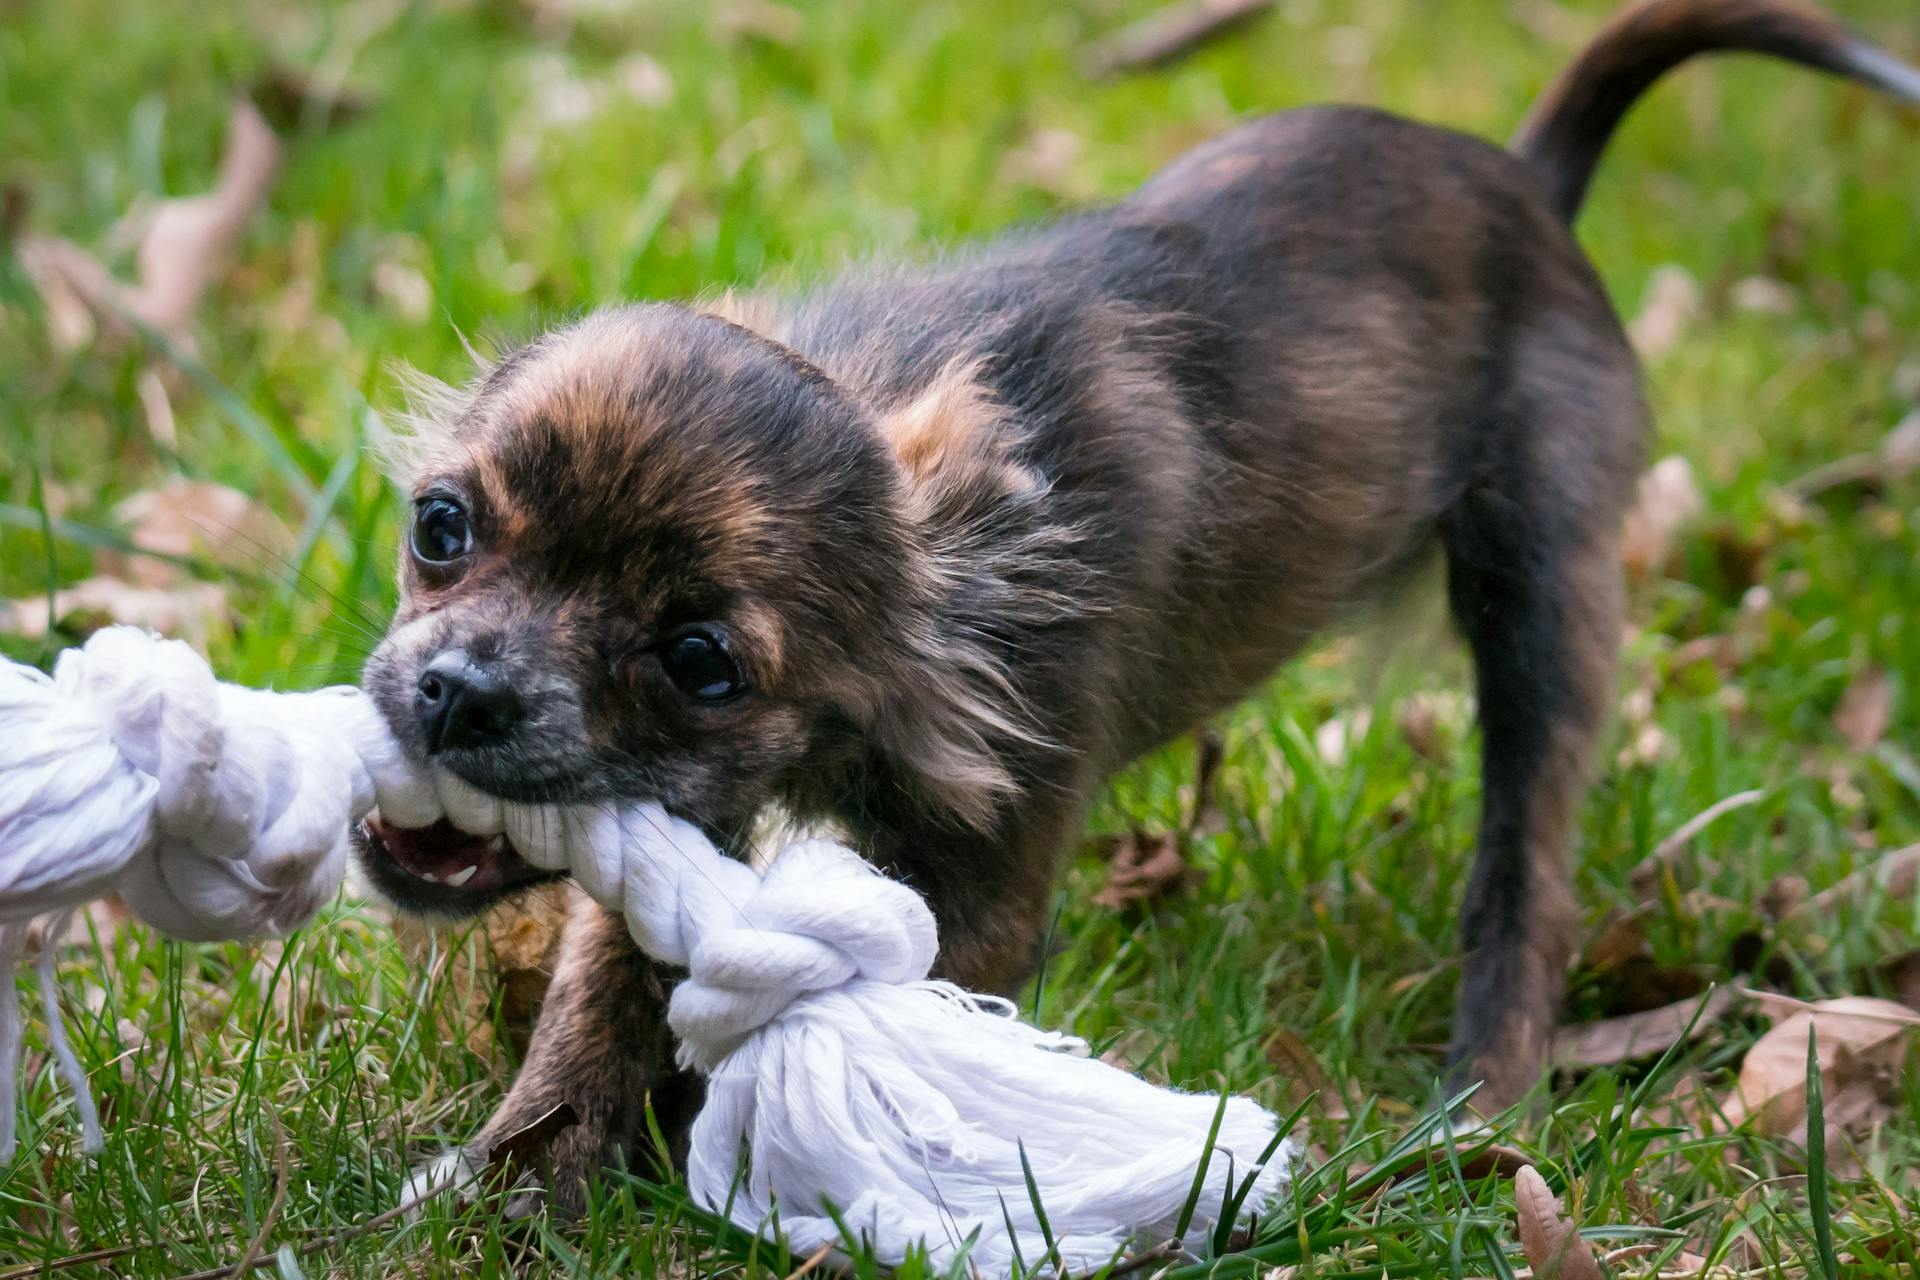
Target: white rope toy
{"points": [[839, 1076]]}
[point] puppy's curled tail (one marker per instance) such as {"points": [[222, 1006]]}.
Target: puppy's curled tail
{"points": [[1566, 130]]}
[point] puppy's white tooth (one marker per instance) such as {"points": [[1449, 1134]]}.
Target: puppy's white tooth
{"points": [[429, 877], [497, 845], [459, 878]]}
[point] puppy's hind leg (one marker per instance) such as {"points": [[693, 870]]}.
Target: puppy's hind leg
{"points": [[1534, 581]]}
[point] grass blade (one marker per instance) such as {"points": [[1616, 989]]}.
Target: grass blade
{"points": [[1819, 1196]]}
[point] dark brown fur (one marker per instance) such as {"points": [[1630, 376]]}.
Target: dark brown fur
{"points": [[984, 531]]}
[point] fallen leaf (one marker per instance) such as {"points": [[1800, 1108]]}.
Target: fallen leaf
{"points": [[188, 610], [185, 241], [1548, 1237], [1852, 1035], [1335, 737], [401, 284], [53, 265], [102, 917], [760, 20], [1865, 709], [1622, 940], [1433, 723], [1299, 1066], [1146, 868], [193, 519], [1638, 1035], [1644, 748], [1168, 34], [1896, 457], [1763, 294], [1647, 874], [644, 80], [1492, 1160], [1894, 875], [511, 960], [1048, 160], [1672, 303], [1902, 977], [1666, 500], [188, 237]]}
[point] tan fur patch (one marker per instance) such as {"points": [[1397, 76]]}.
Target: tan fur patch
{"points": [[951, 434]]}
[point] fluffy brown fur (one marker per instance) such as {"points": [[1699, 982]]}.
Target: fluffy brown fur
{"points": [[930, 553]]}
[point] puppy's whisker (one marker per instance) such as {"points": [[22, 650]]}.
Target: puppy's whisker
{"points": [[264, 555]]}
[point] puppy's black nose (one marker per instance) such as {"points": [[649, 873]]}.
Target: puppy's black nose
{"points": [[463, 703]]}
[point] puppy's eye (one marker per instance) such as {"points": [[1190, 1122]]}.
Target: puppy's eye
{"points": [[700, 662], [440, 531]]}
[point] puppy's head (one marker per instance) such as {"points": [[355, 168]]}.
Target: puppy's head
{"points": [[655, 556]]}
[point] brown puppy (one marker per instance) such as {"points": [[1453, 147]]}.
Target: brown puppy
{"points": [[929, 554]]}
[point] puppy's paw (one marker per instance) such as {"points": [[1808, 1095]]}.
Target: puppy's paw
{"points": [[459, 1175]]}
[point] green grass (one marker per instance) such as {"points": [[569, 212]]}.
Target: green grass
{"points": [[1328, 905]]}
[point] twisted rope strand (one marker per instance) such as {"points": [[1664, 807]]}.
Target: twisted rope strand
{"points": [[842, 1077]]}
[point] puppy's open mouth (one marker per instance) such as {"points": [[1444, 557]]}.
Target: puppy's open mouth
{"points": [[441, 869]]}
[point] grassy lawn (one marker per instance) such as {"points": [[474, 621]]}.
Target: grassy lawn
{"points": [[514, 162]]}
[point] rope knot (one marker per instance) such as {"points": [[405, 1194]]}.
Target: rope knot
{"points": [[821, 918]]}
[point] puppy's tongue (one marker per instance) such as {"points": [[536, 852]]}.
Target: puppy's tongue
{"points": [[443, 853]]}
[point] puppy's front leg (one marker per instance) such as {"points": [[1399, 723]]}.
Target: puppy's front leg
{"points": [[601, 1044]]}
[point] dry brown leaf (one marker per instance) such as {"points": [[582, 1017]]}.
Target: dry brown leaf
{"points": [[1146, 868], [185, 242], [189, 610], [1334, 737], [642, 79], [1475, 1163], [1865, 709], [1433, 723], [1894, 875], [189, 237], [1902, 977], [760, 19], [1896, 457], [1666, 500], [515, 956], [1549, 1238], [1672, 303], [1783, 896], [1648, 873], [1638, 1035], [1623, 939], [193, 518], [72, 286], [1763, 294], [102, 917], [1300, 1067], [1168, 34], [1049, 160], [1853, 1035]]}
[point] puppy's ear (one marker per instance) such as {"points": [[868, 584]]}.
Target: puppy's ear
{"points": [[426, 427], [987, 563]]}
